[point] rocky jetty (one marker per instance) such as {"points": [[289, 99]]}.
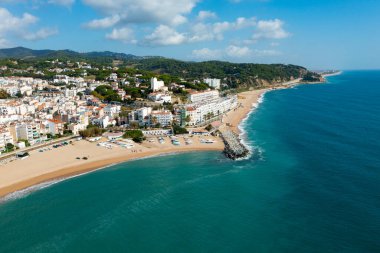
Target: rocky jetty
{"points": [[234, 149]]}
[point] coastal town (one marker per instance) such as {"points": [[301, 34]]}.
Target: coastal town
{"points": [[66, 125], [38, 110], [64, 117]]}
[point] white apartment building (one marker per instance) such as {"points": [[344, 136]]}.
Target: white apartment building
{"points": [[201, 112], [156, 85], [55, 126], [5, 137], [71, 92], [61, 79], [141, 116], [26, 90], [75, 128], [104, 121], [212, 82], [164, 118], [160, 97], [111, 110], [202, 96], [28, 131]]}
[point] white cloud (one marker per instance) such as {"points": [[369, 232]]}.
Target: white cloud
{"points": [[203, 15], [145, 11], [238, 52], [173, 27], [215, 31], [270, 29], [125, 35], [4, 43], [11, 25], [206, 54], [231, 52], [41, 34], [103, 23], [164, 36]]}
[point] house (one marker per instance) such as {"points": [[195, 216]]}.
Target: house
{"points": [[5, 137], [160, 97], [55, 126], [75, 128]]}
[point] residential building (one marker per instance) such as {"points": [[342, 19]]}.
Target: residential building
{"points": [[164, 118], [5, 137], [156, 85], [202, 96], [212, 82], [55, 126]]}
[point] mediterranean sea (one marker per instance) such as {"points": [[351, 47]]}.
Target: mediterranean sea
{"points": [[311, 185]]}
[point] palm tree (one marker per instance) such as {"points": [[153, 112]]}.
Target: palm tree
{"points": [[153, 121]]}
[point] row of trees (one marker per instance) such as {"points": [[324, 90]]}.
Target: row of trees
{"points": [[91, 131]]}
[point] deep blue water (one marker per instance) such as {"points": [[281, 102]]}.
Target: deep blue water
{"points": [[313, 185]]}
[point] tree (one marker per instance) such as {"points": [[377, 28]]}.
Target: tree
{"points": [[19, 94], [134, 125], [80, 94], [9, 147], [91, 131], [4, 94], [27, 144], [179, 130], [154, 120], [209, 127], [135, 135], [105, 92]]}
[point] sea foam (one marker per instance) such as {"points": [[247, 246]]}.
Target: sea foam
{"points": [[250, 145]]}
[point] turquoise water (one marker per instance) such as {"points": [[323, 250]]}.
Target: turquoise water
{"points": [[312, 186]]}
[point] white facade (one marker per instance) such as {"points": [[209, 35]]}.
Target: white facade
{"points": [[212, 82], [141, 115], [160, 97], [164, 118], [28, 132], [55, 127], [5, 137], [156, 85], [112, 111], [198, 97], [75, 128], [201, 112]]}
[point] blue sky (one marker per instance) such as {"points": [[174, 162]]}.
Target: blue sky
{"points": [[318, 34]]}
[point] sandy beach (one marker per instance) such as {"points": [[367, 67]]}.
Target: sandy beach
{"points": [[68, 160], [247, 100]]}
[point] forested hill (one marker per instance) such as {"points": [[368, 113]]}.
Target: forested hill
{"points": [[242, 75], [30, 54]]}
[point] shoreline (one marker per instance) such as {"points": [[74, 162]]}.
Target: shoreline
{"points": [[42, 168], [61, 172]]}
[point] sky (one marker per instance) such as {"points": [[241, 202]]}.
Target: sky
{"points": [[317, 34]]}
